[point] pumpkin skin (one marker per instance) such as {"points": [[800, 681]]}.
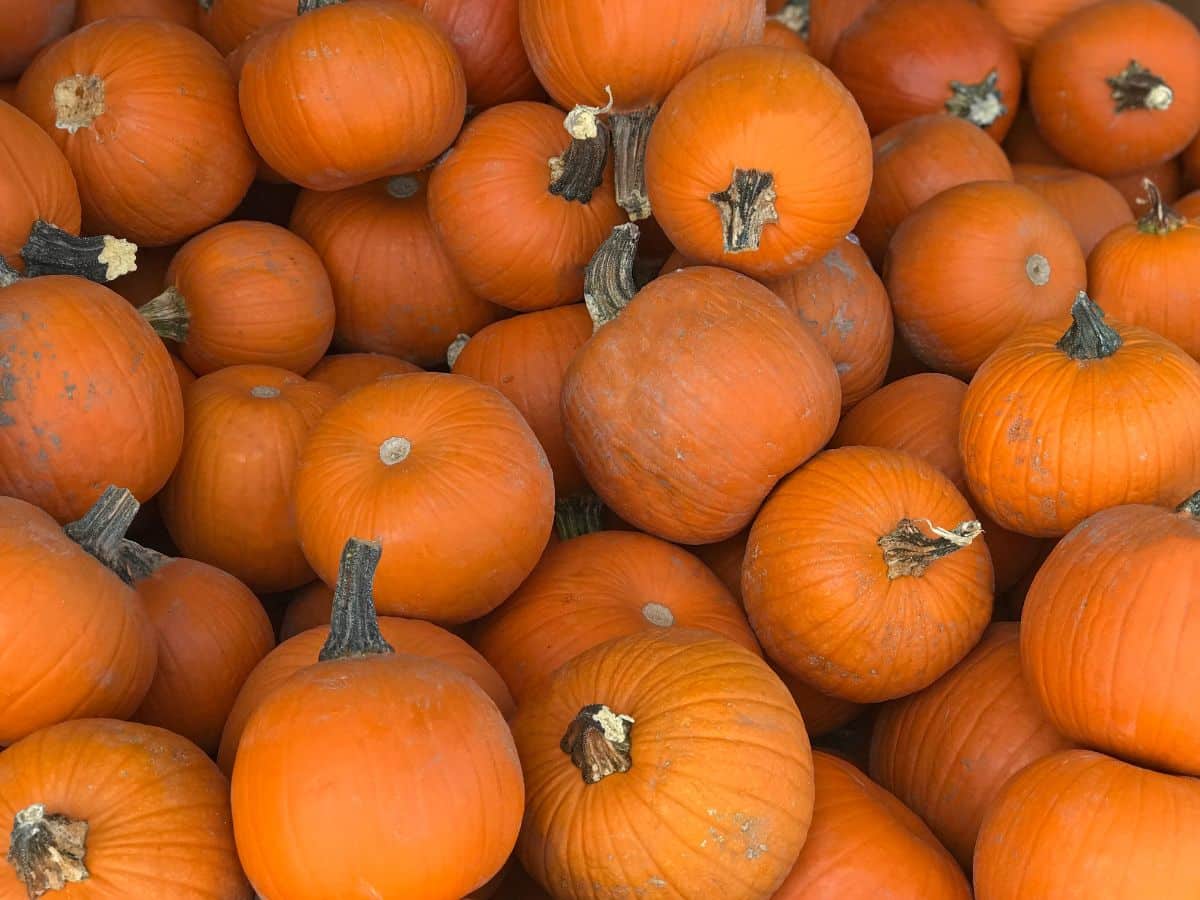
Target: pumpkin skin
{"points": [[352, 92], [185, 375], [822, 713], [974, 265], [1167, 176], [724, 558], [864, 842], [395, 289], [825, 604], [1033, 443], [525, 358], [1091, 206], [91, 646], [344, 372], [228, 502], [1128, 832], [1189, 206], [90, 397], [1074, 105], [157, 810], [473, 466], [900, 58], [181, 12], [310, 606], [27, 28], [1026, 21], [1025, 144], [715, 129], [828, 21], [917, 160], [135, 78], [948, 750], [673, 428], [596, 587], [227, 23], [715, 730], [777, 34]]}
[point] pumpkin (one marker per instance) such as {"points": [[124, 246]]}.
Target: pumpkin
{"points": [[857, 546], [227, 23], [101, 808], [864, 842], [1116, 592], [947, 751], [103, 90], [909, 58], [351, 92], [185, 375], [81, 644], [396, 771], [395, 290], [828, 21], [596, 587], [446, 474], [1189, 206], [1091, 206], [228, 502], [975, 264], [821, 712], [308, 607], [88, 396], [1111, 85], [676, 715], [724, 558], [1041, 455], [236, 60], [742, 158], [1128, 833], [1167, 176], [917, 160], [1025, 144], [777, 33], [624, 58], [346, 371], [1026, 21], [181, 12], [685, 409], [26, 28]]}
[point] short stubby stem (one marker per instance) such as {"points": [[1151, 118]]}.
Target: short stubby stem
{"points": [[746, 206], [1190, 507], [1037, 268], [630, 134], [1159, 217], [168, 315], [394, 450], [47, 850], [577, 173], [52, 251], [579, 515], [401, 187], [909, 551], [608, 283], [599, 742], [264, 392], [980, 103], [1136, 87], [454, 351], [354, 627], [1088, 337], [795, 16], [78, 102]]}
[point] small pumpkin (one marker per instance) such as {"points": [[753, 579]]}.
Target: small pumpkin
{"points": [[181, 12], [778, 34], [1025, 144], [26, 28], [227, 23], [1091, 206], [1111, 85], [828, 21], [346, 371], [1167, 176], [1026, 21]]}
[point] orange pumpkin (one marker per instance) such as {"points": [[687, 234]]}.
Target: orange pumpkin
{"points": [[595, 745], [777, 33], [1189, 206], [101, 91], [309, 606], [724, 558], [181, 12], [917, 160], [821, 712], [1111, 85], [346, 371], [373, 88], [1025, 144], [1167, 176], [865, 843], [227, 23], [975, 264], [236, 60], [395, 289], [104, 808], [446, 474], [828, 21], [1041, 455], [1091, 206], [1026, 21], [909, 58], [25, 28], [596, 587], [734, 186], [855, 547], [1128, 833], [185, 375]]}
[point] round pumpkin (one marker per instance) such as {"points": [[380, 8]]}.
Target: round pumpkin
{"points": [[858, 546], [743, 158], [1026, 21], [227, 23], [1025, 144], [1112, 85], [150, 91], [975, 264], [236, 60], [1128, 833], [1041, 453], [1091, 206], [828, 21], [345, 372], [25, 28], [724, 558], [675, 714], [185, 375], [181, 12], [777, 33], [395, 289], [308, 607], [103, 808], [1167, 176], [446, 474], [822, 713], [351, 92]]}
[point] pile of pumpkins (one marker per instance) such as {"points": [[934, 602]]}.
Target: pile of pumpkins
{"points": [[480, 448]]}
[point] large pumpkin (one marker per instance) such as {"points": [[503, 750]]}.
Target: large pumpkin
{"points": [[683, 717], [227, 23], [1026, 21], [346, 371], [150, 91], [27, 27], [1042, 454], [828, 21], [181, 12], [1091, 205], [856, 547]]}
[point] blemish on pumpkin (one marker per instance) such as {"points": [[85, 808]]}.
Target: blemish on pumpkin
{"points": [[78, 101], [1019, 430], [833, 260], [657, 614]]}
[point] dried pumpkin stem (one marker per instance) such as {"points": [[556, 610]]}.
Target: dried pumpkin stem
{"points": [[795, 15], [1037, 269], [980, 103], [630, 134], [746, 207], [608, 283], [577, 173], [1159, 218], [1190, 507], [403, 186], [8, 275], [47, 850], [78, 102], [168, 315], [354, 629], [583, 121], [134, 562], [205, 5], [454, 351], [598, 741], [103, 527], [1088, 337], [1136, 87], [579, 515], [907, 550], [305, 6], [52, 251]]}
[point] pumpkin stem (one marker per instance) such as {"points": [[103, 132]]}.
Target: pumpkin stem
{"points": [[168, 315], [1190, 507], [608, 283], [1037, 269], [980, 104], [52, 251], [1136, 87], [795, 15], [205, 5], [630, 134], [746, 207], [598, 742], [403, 186], [8, 275], [583, 123], [354, 630], [907, 550], [454, 351], [305, 6], [1088, 337], [47, 850], [579, 515], [78, 102], [102, 528], [578, 171], [1159, 218]]}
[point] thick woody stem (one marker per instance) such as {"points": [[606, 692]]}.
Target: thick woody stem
{"points": [[630, 134], [354, 629], [168, 315], [577, 173], [52, 251], [578, 515], [746, 207], [102, 528], [1088, 337], [47, 850], [598, 741], [1190, 507], [907, 550], [980, 104], [1136, 87], [8, 275], [608, 283]]}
